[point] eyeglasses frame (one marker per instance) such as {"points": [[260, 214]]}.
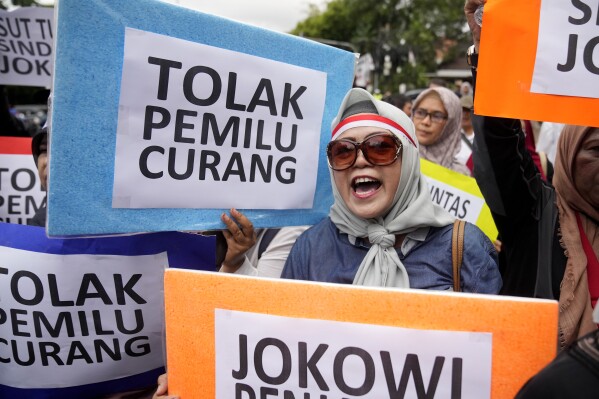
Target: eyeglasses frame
{"points": [[428, 114]]}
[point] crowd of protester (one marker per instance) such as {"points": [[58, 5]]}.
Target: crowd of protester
{"points": [[383, 229]]}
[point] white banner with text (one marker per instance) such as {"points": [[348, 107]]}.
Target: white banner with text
{"points": [[567, 61], [260, 355], [79, 319], [196, 119], [26, 46], [21, 193]]}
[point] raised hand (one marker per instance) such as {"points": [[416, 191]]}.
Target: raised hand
{"points": [[240, 236], [469, 9]]}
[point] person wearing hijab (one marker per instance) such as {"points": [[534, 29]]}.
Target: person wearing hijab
{"points": [[576, 181], [465, 89], [437, 116], [383, 229]]}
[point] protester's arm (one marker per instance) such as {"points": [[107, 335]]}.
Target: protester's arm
{"points": [[503, 167], [469, 9], [511, 185], [240, 236], [517, 177]]}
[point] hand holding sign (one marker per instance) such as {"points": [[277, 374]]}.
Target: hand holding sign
{"points": [[162, 390], [240, 236], [469, 9]]}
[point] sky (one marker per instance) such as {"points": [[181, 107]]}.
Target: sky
{"points": [[278, 15]]}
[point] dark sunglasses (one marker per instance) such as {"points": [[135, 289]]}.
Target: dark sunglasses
{"points": [[380, 149]]}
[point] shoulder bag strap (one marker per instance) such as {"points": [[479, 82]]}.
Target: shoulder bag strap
{"points": [[466, 141], [457, 252], [266, 240]]}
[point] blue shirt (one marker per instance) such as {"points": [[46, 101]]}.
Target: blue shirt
{"points": [[323, 253]]}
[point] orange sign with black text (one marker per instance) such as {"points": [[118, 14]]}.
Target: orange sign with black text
{"points": [[240, 337], [538, 61]]}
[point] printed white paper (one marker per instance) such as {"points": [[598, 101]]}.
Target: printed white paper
{"points": [[205, 127], [257, 353], [456, 202], [567, 59], [26, 46], [79, 319], [21, 194]]}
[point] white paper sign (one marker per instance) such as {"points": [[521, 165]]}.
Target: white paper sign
{"points": [[456, 202], [21, 194], [204, 127], [79, 319], [261, 355], [26, 43], [567, 60]]}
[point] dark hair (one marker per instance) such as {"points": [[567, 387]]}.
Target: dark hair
{"points": [[36, 142], [398, 100]]}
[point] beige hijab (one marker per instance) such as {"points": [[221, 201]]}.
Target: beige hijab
{"points": [[445, 150], [575, 311]]}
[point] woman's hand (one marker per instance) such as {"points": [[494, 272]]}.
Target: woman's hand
{"points": [[240, 236], [497, 244], [469, 8], [161, 391]]}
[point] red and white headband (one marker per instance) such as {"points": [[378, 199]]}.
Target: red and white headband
{"points": [[371, 120]]}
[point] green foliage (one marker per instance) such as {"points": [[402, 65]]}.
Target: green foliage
{"points": [[24, 3], [394, 28], [21, 3]]}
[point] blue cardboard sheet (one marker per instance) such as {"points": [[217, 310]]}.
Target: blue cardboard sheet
{"points": [[87, 81], [184, 250]]}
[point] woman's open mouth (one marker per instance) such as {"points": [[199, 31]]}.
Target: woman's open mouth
{"points": [[365, 186]]}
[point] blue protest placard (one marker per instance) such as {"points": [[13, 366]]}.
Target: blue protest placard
{"points": [[86, 316], [163, 117]]}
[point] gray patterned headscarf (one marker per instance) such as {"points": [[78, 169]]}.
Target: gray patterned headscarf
{"points": [[412, 206], [444, 151]]}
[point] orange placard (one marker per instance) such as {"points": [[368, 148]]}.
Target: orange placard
{"points": [[523, 330], [506, 66]]}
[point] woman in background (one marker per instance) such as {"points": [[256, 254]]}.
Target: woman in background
{"points": [[437, 116]]}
